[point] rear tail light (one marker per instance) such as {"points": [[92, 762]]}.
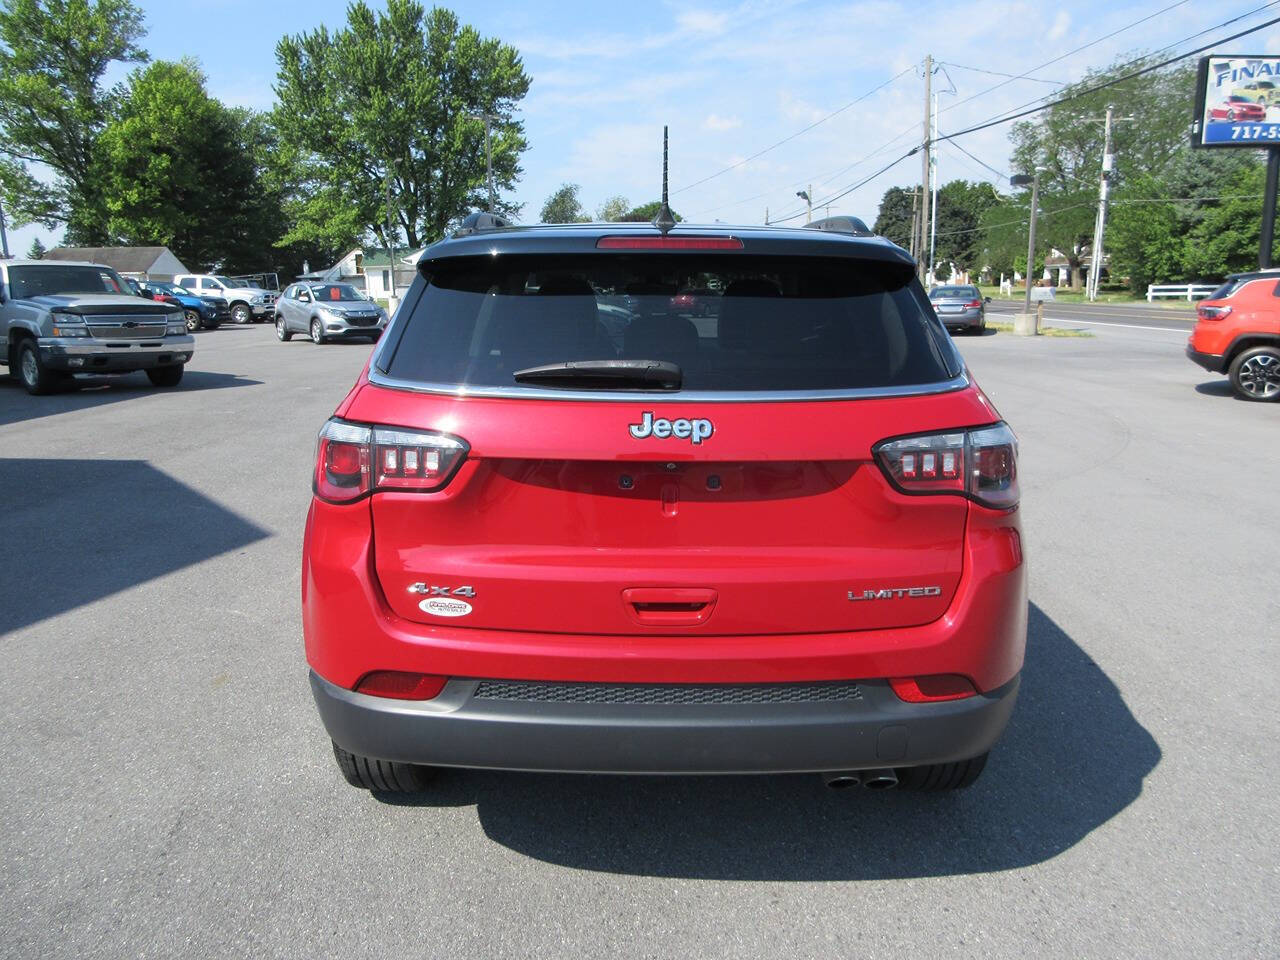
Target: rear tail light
{"points": [[353, 460], [974, 303], [401, 685], [933, 688], [1212, 313], [981, 464]]}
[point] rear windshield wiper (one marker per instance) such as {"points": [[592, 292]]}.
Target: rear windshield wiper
{"points": [[604, 375]]}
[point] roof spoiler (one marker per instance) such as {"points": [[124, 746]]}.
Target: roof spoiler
{"points": [[849, 225], [480, 221]]}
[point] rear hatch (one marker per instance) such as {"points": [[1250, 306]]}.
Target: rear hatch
{"points": [[747, 501]]}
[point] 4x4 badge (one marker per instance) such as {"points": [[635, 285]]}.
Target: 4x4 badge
{"points": [[693, 430]]}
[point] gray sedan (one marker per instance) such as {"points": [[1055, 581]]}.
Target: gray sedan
{"points": [[960, 307], [328, 311]]}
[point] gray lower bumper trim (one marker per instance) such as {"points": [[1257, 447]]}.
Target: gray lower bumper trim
{"points": [[458, 730]]}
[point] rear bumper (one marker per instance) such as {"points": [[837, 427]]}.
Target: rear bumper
{"points": [[1213, 362], [92, 355], [969, 318], [465, 727]]}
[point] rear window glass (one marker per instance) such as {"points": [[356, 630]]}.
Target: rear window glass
{"points": [[953, 293], [1227, 289], [731, 322]]}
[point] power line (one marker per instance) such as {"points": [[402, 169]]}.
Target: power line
{"points": [[1011, 76], [1091, 43], [1118, 80], [844, 193], [816, 123]]}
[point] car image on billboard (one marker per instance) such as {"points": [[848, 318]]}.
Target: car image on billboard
{"points": [[1238, 103]]}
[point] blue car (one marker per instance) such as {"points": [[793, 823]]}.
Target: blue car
{"points": [[201, 313]]}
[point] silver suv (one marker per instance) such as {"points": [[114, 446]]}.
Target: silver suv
{"points": [[62, 318], [328, 311]]}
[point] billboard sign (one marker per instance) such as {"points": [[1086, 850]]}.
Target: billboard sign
{"points": [[1237, 103]]}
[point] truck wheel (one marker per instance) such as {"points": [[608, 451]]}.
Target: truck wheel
{"points": [[1255, 374], [933, 777], [193, 320], [384, 776], [35, 376], [241, 314], [165, 376]]}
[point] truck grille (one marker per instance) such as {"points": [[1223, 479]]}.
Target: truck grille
{"points": [[137, 326], [532, 691]]}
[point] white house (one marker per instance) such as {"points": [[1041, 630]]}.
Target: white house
{"points": [[369, 269]]}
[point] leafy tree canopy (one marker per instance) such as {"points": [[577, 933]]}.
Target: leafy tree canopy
{"points": [[563, 206], [613, 210], [393, 96], [645, 213]]}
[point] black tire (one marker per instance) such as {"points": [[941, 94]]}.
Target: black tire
{"points": [[165, 376], [382, 776], [1255, 374], [283, 334], [933, 777], [317, 331], [1231, 116], [34, 375], [194, 322], [241, 314]]}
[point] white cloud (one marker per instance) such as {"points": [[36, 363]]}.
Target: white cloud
{"points": [[1061, 23], [701, 21], [719, 124]]}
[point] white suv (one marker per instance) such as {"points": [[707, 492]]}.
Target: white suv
{"points": [[248, 304]]}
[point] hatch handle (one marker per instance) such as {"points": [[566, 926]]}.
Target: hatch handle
{"points": [[670, 606]]}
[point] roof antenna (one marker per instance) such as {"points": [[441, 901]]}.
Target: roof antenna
{"points": [[664, 221]]}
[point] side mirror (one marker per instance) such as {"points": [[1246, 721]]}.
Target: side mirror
{"points": [[986, 299]]}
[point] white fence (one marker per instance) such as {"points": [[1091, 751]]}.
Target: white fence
{"points": [[1183, 291]]}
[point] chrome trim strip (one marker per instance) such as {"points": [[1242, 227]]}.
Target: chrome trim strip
{"points": [[959, 382]]}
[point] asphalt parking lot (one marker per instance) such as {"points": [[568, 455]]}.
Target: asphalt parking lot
{"points": [[169, 790]]}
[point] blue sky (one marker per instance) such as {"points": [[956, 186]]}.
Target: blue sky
{"points": [[730, 79]]}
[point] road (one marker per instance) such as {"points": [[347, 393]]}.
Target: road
{"points": [[169, 790], [1136, 315]]}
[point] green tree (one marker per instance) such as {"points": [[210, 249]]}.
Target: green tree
{"points": [[177, 169], [645, 213], [37, 250], [563, 206], [896, 216], [1067, 139], [613, 210], [1227, 238], [961, 205], [392, 97], [53, 55]]}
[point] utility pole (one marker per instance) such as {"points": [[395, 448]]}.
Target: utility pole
{"points": [[766, 216], [933, 171], [1031, 236], [4, 236], [915, 222], [926, 155], [488, 119], [392, 300], [1100, 225]]}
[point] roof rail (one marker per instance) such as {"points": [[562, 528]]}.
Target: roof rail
{"points": [[850, 225], [480, 220]]}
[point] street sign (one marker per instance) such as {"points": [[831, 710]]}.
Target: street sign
{"points": [[1237, 102]]}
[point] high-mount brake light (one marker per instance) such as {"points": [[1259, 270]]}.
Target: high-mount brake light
{"points": [[1212, 313], [354, 459], [668, 243], [981, 463]]}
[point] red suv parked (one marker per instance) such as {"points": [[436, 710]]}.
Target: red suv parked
{"points": [[1237, 332], [780, 537]]}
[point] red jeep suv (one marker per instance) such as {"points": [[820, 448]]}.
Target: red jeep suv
{"points": [[1237, 332], [563, 523]]}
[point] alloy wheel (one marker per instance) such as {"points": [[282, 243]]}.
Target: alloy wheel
{"points": [[30, 372], [1260, 376]]}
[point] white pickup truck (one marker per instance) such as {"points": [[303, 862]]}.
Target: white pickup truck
{"points": [[248, 304]]}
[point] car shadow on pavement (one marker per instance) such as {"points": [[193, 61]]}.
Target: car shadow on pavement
{"points": [[1073, 757], [16, 405], [80, 530], [1216, 388]]}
